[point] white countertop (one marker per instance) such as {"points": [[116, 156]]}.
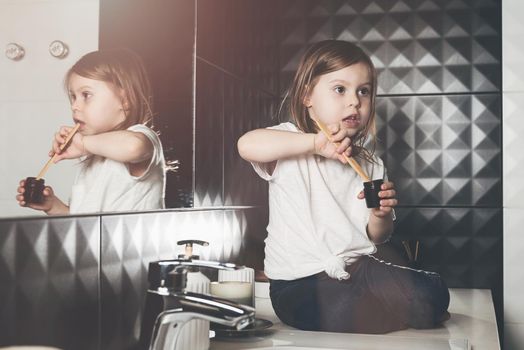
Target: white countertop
{"points": [[472, 318]]}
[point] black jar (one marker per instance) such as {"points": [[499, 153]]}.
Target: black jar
{"points": [[34, 190], [371, 190]]}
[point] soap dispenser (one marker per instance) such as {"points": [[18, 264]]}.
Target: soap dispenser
{"points": [[195, 334]]}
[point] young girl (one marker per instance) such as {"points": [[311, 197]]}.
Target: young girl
{"points": [[121, 159], [320, 233]]}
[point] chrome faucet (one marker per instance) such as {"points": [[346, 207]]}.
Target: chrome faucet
{"points": [[168, 306]]}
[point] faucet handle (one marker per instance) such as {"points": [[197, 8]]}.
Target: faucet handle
{"points": [[189, 247], [172, 274]]}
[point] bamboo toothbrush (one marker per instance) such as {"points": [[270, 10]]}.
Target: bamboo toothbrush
{"points": [[408, 250], [351, 161], [62, 147]]}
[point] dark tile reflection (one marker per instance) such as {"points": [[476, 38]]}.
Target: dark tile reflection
{"points": [[163, 34], [209, 150]]}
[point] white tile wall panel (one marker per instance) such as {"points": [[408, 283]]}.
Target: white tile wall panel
{"points": [[28, 141], [513, 172], [513, 336], [513, 162], [513, 276], [33, 103]]}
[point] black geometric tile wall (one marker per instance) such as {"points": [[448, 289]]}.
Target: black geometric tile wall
{"points": [[418, 47], [49, 282], [461, 243], [241, 185], [443, 150]]}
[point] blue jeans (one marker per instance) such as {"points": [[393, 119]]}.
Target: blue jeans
{"points": [[378, 297]]}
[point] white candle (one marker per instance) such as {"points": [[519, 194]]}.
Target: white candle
{"points": [[238, 292]]}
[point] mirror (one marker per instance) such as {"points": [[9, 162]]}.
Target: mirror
{"points": [[206, 78], [219, 68], [215, 75]]}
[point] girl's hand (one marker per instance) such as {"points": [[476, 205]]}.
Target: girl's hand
{"points": [[328, 149], [387, 200], [46, 205], [74, 150]]}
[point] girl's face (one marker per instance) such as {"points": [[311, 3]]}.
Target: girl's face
{"points": [[96, 105], [343, 97]]}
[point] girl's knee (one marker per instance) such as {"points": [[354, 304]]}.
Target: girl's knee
{"points": [[428, 309], [433, 290], [429, 301]]}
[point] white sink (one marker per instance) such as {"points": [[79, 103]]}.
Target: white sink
{"points": [[303, 340]]}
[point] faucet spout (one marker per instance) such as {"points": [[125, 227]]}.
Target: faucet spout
{"points": [[181, 307]]}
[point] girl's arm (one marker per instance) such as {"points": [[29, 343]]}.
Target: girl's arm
{"points": [[380, 228], [380, 225], [122, 146], [267, 145], [132, 148], [125, 146], [58, 208]]}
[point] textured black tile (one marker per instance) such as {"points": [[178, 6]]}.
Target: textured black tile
{"points": [[442, 150], [209, 150], [417, 47], [245, 109], [49, 290], [463, 244]]}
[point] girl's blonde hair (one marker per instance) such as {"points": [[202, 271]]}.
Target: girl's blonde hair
{"points": [[325, 57], [125, 71]]}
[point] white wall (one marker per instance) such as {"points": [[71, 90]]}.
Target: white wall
{"points": [[513, 170], [33, 103]]}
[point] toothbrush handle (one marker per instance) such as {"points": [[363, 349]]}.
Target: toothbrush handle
{"points": [[351, 161], [62, 147]]}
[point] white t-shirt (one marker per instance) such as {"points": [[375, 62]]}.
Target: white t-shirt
{"points": [[316, 221], [104, 185]]}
